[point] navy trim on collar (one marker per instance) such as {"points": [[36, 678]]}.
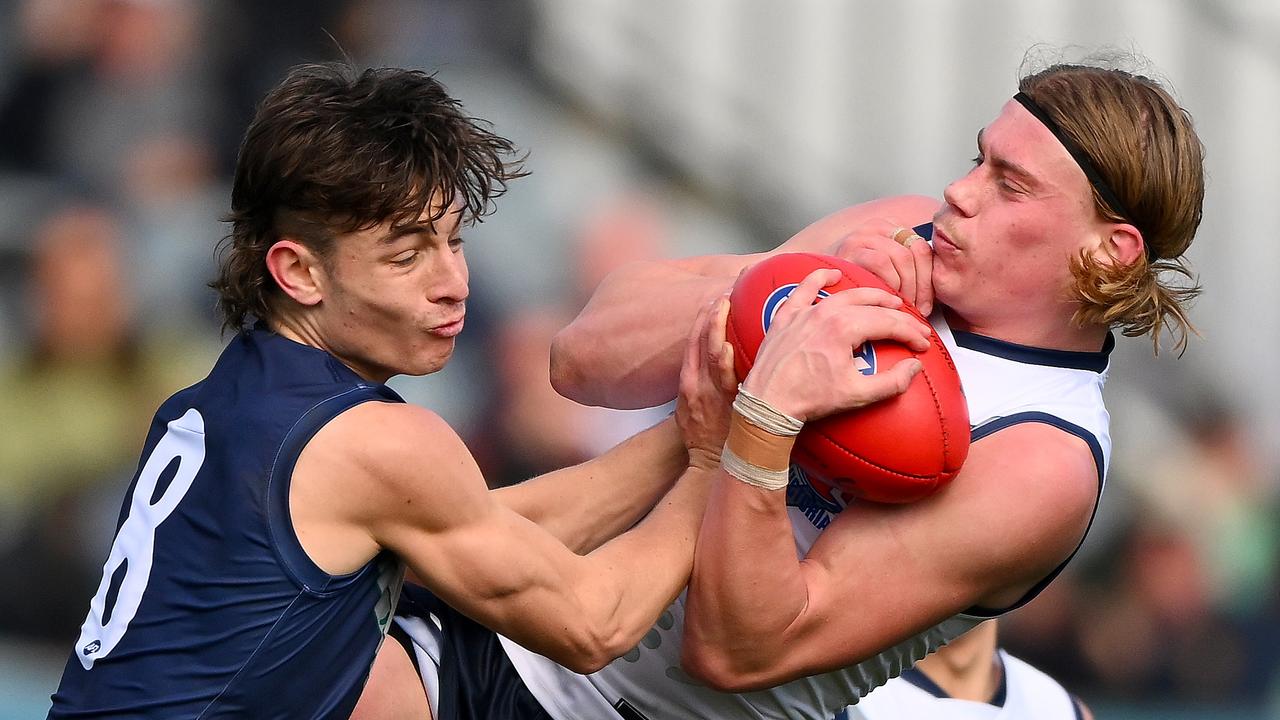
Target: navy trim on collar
{"points": [[1093, 361], [1002, 692], [916, 677]]}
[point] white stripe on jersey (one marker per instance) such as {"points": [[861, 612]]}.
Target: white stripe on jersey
{"points": [[1004, 384]]}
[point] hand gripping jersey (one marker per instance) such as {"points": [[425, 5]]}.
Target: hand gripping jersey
{"points": [[208, 606], [1005, 384], [1025, 693]]}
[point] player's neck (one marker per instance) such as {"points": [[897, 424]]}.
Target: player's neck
{"points": [[978, 680], [969, 668], [299, 330], [1024, 331]]}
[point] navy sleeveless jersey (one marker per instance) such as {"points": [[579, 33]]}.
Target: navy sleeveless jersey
{"points": [[208, 606]]}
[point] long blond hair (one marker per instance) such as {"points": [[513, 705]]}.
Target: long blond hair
{"points": [[1145, 147]]}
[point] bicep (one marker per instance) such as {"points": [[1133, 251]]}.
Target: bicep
{"points": [[489, 563], [430, 506], [624, 349], [396, 477]]}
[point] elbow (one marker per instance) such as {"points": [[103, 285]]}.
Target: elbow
{"points": [[585, 664], [720, 671], [589, 648], [568, 365]]}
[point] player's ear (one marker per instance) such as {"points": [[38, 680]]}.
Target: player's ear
{"points": [[1122, 243], [297, 270]]}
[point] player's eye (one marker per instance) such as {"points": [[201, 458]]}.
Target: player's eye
{"points": [[406, 259], [977, 159], [1009, 187], [455, 244]]}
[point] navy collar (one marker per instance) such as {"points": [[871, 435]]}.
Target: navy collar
{"points": [[1095, 361], [916, 677], [1092, 361]]}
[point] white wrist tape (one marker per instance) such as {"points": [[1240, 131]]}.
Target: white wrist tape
{"points": [[765, 416], [753, 474]]}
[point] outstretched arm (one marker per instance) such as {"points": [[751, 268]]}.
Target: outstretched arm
{"points": [[585, 505], [407, 483], [623, 350]]}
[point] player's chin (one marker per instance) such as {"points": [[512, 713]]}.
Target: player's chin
{"points": [[427, 360], [947, 284]]}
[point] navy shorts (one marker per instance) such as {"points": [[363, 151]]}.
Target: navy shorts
{"points": [[471, 674]]}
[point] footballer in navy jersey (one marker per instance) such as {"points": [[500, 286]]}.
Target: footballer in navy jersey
{"points": [[207, 595], [262, 543]]}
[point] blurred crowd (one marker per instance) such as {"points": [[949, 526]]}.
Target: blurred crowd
{"points": [[119, 122]]}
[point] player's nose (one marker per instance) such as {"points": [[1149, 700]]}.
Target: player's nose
{"points": [[963, 194], [451, 281]]}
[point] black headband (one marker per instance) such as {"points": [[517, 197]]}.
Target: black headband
{"points": [[1082, 159]]}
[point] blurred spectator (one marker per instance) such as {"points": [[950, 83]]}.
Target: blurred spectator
{"points": [[257, 43], [97, 79], [75, 402], [529, 429], [626, 228], [1154, 631]]}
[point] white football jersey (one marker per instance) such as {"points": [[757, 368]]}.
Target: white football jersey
{"points": [[1005, 384], [1026, 694]]}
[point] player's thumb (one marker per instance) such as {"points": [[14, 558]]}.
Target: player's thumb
{"points": [[885, 385]]}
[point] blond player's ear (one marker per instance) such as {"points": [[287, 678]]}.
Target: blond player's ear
{"points": [[1122, 244]]}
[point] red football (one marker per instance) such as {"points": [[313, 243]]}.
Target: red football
{"points": [[898, 450]]}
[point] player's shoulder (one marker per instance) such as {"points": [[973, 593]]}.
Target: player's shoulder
{"points": [[905, 210], [1042, 449], [388, 447], [1042, 484], [386, 433], [1043, 471]]}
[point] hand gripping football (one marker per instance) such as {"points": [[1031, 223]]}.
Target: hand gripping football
{"points": [[895, 451]]}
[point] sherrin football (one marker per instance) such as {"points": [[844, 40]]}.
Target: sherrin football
{"points": [[895, 451]]}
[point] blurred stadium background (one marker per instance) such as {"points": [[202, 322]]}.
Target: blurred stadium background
{"points": [[658, 128]]}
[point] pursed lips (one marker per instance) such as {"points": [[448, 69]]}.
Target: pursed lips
{"points": [[450, 327], [940, 234]]}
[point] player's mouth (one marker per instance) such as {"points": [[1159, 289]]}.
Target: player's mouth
{"points": [[449, 329], [942, 239]]}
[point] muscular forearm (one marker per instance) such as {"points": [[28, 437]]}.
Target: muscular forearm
{"points": [[747, 586], [624, 349], [583, 612], [587, 504], [650, 565]]}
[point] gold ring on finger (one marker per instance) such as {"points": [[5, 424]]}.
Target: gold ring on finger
{"points": [[905, 236]]}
